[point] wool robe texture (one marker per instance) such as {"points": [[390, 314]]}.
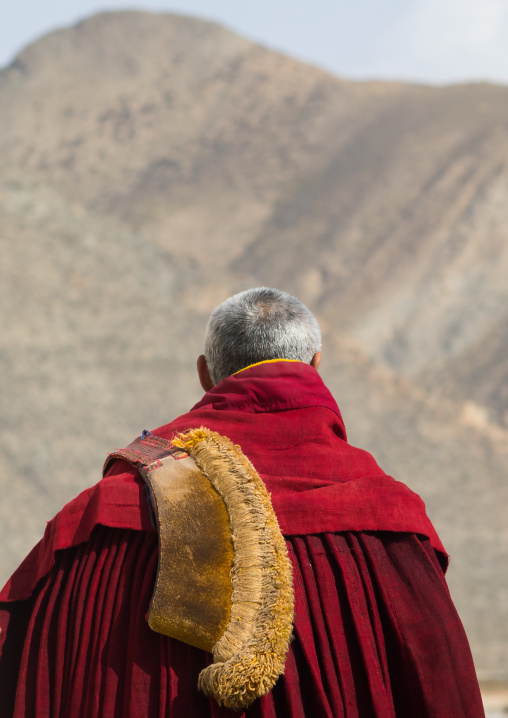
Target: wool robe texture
{"points": [[376, 634]]}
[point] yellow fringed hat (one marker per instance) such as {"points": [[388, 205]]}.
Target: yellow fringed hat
{"points": [[224, 580]]}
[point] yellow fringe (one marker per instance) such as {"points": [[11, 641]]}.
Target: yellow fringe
{"points": [[250, 655], [190, 439]]}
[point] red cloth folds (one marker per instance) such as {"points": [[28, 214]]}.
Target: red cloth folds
{"points": [[116, 501], [376, 636]]}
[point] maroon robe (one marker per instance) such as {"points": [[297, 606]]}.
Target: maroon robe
{"points": [[376, 633]]}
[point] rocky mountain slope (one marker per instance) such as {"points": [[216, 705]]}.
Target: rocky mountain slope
{"points": [[154, 164]]}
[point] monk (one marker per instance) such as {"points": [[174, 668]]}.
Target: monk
{"points": [[375, 632]]}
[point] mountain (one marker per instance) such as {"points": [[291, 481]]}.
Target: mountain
{"points": [[153, 164]]}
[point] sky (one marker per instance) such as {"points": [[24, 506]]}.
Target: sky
{"points": [[430, 41]]}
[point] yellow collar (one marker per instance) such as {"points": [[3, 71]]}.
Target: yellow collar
{"points": [[266, 361]]}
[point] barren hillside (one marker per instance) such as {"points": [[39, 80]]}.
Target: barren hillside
{"points": [[154, 164]]}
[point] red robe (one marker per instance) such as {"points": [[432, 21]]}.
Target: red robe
{"points": [[376, 633]]}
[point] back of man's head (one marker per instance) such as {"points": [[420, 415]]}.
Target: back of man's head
{"points": [[257, 325]]}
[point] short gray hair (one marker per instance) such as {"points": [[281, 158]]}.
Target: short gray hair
{"points": [[257, 325]]}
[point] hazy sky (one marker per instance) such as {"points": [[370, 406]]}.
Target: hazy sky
{"points": [[425, 40]]}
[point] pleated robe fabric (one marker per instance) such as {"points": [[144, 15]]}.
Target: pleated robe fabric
{"points": [[375, 636], [376, 633]]}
